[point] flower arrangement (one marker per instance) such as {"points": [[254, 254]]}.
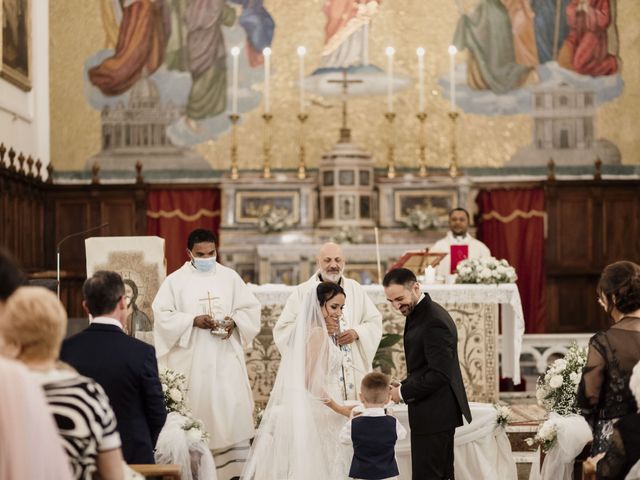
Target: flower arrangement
{"points": [[556, 389], [488, 270], [504, 415], [346, 234], [174, 389], [545, 436], [271, 218], [420, 218], [195, 430]]}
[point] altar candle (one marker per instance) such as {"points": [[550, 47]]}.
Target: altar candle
{"points": [[452, 74], [390, 51], [420, 52], [235, 53], [302, 51], [266, 53], [375, 232], [365, 46]]}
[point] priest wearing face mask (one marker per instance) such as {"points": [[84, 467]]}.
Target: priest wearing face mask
{"points": [[458, 244], [357, 332], [204, 318]]}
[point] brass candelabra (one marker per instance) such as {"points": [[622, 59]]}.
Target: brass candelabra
{"points": [[453, 164], [234, 117], [266, 146], [422, 117], [302, 168], [391, 162]]}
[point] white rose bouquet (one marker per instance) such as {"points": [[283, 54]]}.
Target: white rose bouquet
{"points": [[488, 270], [504, 415], [556, 389], [420, 218], [545, 436], [173, 387]]}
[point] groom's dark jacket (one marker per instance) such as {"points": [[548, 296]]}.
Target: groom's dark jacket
{"points": [[433, 389], [127, 369]]}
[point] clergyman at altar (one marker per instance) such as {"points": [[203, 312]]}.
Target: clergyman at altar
{"points": [[458, 244], [205, 316], [358, 331], [433, 390]]}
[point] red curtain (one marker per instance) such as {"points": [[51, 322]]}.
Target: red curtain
{"points": [[512, 226], [173, 214]]}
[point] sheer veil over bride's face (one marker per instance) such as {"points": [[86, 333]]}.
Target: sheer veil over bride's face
{"points": [[292, 439]]}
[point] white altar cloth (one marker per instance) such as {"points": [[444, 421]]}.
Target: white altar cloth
{"points": [[506, 295]]}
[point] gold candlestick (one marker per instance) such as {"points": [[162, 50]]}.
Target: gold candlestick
{"points": [[391, 164], [234, 117], [266, 146], [302, 168], [422, 116], [453, 165]]}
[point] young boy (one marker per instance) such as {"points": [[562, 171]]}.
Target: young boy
{"points": [[373, 432]]}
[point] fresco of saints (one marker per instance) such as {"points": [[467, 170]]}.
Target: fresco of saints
{"points": [[345, 39], [185, 35], [587, 49]]}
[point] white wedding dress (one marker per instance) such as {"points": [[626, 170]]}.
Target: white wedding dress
{"points": [[298, 437]]}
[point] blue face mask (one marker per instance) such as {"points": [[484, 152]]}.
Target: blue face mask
{"points": [[204, 264]]}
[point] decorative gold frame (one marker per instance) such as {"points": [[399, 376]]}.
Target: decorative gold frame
{"points": [[262, 198], [10, 73], [398, 195]]}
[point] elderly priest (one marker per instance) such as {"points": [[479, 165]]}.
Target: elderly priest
{"points": [[359, 330]]}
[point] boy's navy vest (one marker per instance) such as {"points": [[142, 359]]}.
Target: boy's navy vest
{"points": [[374, 441]]}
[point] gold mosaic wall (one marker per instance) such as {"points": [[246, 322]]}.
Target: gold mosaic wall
{"points": [[77, 32]]}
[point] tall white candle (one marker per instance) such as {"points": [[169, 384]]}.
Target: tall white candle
{"points": [[390, 51], [235, 53], [375, 232], [266, 53], [301, 53], [421, 105], [452, 76], [365, 46]]}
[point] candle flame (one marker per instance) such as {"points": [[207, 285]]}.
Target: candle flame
{"points": [[390, 51], [452, 50], [302, 51], [420, 51], [235, 51], [266, 52]]}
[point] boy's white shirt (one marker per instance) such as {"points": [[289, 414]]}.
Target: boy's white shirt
{"points": [[345, 433]]}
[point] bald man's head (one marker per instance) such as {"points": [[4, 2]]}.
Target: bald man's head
{"points": [[331, 262]]}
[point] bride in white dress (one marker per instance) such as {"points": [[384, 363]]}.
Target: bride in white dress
{"points": [[298, 435]]}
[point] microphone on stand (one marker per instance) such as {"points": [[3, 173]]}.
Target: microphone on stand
{"points": [[83, 232]]}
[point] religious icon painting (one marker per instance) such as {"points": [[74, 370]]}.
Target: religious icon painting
{"points": [[141, 264], [15, 44]]}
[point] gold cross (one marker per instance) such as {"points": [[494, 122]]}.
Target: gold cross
{"points": [[345, 132], [208, 300]]}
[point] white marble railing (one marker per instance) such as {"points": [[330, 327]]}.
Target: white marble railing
{"points": [[541, 346]]}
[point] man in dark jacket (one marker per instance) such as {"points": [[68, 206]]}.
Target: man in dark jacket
{"points": [[125, 367], [433, 389]]}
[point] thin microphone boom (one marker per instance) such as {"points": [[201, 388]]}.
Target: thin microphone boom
{"points": [[83, 232]]}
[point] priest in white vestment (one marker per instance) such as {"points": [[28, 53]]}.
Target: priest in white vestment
{"points": [[360, 328], [459, 220], [185, 307]]}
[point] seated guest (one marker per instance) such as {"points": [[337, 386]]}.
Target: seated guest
{"points": [[603, 394], [31, 328], [11, 277], [125, 367], [624, 447], [373, 433], [458, 244]]}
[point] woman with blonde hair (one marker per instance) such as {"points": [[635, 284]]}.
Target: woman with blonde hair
{"points": [[32, 327]]}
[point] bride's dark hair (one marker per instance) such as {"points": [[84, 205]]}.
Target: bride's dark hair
{"points": [[327, 290]]}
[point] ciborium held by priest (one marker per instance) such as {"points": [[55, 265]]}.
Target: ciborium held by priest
{"points": [[221, 326]]}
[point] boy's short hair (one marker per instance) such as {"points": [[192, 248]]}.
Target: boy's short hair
{"points": [[375, 388]]}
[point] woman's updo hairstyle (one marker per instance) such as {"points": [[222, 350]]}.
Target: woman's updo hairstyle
{"points": [[620, 285], [327, 290]]}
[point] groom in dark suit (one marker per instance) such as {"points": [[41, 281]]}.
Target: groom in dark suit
{"points": [[125, 367], [433, 389]]}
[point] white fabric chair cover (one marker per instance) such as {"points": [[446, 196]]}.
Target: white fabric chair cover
{"points": [[175, 447], [573, 433]]}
